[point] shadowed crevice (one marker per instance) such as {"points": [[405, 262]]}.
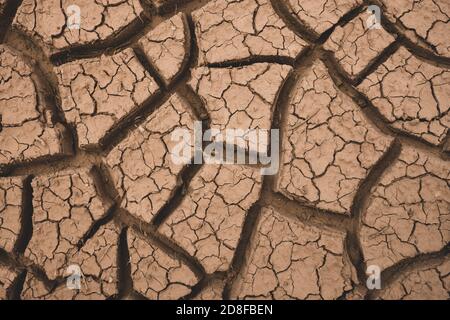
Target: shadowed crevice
{"points": [[128, 36], [53, 164], [301, 29], [375, 63], [346, 18], [306, 213], [135, 118], [26, 219], [284, 11], [204, 283], [145, 62], [372, 113], [253, 60], [43, 71], [184, 180], [171, 7], [20, 263], [242, 249], [282, 102], [149, 66], [149, 231], [360, 204], [96, 226], [423, 49], [14, 292], [7, 17], [200, 111], [109, 46], [124, 266], [395, 272]]}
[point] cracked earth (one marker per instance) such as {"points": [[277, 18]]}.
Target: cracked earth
{"points": [[87, 178]]}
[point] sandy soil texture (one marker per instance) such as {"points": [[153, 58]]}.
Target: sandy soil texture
{"points": [[89, 100]]}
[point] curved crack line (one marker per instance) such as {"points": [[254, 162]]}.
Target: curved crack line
{"points": [[184, 180], [416, 49], [372, 113], [53, 164], [15, 290], [169, 7], [147, 21], [149, 231], [47, 93], [207, 280], [301, 29], [18, 262], [283, 10], [137, 117], [391, 274], [359, 206], [305, 213], [199, 109], [376, 62], [242, 248], [252, 60], [108, 46], [189, 47]]}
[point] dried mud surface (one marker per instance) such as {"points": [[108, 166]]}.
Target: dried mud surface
{"points": [[86, 176]]}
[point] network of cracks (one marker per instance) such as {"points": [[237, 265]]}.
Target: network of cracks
{"points": [[86, 176]]}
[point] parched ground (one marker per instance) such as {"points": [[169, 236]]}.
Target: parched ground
{"points": [[87, 178]]}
